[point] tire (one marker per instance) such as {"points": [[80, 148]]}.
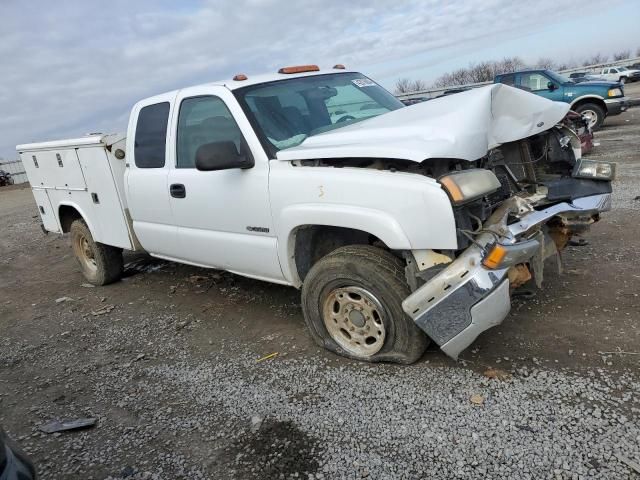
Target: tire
{"points": [[623, 80], [595, 112], [100, 264], [371, 281]]}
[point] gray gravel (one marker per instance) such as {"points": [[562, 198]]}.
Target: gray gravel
{"points": [[175, 416]]}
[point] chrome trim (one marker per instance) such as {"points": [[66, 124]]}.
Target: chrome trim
{"points": [[466, 298]]}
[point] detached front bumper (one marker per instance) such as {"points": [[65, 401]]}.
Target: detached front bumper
{"points": [[616, 106], [467, 298]]}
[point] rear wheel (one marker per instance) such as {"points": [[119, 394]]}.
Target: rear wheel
{"points": [[100, 264], [352, 304], [595, 114]]}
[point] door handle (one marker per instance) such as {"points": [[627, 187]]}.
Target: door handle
{"points": [[177, 190]]}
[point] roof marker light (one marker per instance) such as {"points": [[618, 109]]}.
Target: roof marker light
{"points": [[299, 69], [339, 66], [240, 77]]}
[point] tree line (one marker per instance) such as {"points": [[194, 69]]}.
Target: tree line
{"points": [[487, 70]]}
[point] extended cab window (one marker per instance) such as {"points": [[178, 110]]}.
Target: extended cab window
{"points": [[151, 136], [204, 120]]}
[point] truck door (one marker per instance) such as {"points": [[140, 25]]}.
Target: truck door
{"points": [[223, 217], [538, 83], [147, 175]]}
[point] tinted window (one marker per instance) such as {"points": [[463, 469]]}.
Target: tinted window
{"points": [[151, 136], [204, 120], [508, 80]]}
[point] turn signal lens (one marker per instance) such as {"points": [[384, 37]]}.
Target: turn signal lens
{"points": [[299, 69], [614, 92], [495, 256]]}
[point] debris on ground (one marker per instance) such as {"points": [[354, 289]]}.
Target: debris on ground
{"points": [[496, 373], [271, 355], [64, 299], [476, 399], [58, 426], [103, 310], [88, 285], [630, 463]]}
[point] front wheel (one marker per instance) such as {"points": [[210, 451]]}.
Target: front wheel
{"points": [[623, 80], [594, 113], [100, 264], [352, 304]]}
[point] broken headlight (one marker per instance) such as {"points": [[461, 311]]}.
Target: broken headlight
{"points": [[468, 185], [594, 169]]}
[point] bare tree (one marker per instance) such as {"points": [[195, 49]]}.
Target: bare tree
{"points": [[403, 85], [595, 59], [546, 63], [419, 85], [509, 64], [622, 55]]}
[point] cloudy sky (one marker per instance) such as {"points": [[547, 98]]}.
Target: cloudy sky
{"points": [[72, 67]]}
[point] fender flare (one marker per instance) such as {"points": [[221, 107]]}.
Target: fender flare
{"points": [[584, 97], [375, 222], [75, 206]]}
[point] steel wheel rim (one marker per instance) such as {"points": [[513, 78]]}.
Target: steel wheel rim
{"points": [[84, 253], [354, 319], [591, 115]]}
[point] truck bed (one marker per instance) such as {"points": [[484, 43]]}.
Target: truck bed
{"points": [[84, 174]]}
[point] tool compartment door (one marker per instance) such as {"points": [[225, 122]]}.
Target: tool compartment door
{"points": [[57, 168], [47, 214]]}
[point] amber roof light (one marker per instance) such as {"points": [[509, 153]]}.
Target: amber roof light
{"points": [[339, 66], [299, 69], [240, 77]]}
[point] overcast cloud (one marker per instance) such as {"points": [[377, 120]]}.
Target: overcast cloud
{"points": [[74, 67]]}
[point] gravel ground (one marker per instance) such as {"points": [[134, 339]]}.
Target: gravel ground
{"points": [[168, 361]]}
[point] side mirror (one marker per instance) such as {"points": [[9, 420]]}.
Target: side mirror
{"points": [[221, 156], [551, 86]]}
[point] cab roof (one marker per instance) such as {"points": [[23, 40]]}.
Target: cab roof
{"points": [[232, 84]]}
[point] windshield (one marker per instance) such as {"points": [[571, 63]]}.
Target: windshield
{"points": [[556, 77], [286, 112], [622, 69]]}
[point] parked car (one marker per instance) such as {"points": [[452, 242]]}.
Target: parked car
{"points": [[14, 464], [399, 228], [578, 77], [5, 178], [596, 99], [619, 74]]}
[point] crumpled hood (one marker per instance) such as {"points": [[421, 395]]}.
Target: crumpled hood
{"points": [[463, 126]]}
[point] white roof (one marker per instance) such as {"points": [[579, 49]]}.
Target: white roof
{"points": [[232, 84], [87, 140]]}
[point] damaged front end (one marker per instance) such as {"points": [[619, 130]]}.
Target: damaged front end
{"points": [[520, 208]]}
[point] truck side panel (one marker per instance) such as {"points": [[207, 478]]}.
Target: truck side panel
{"points": [[79, 177]]}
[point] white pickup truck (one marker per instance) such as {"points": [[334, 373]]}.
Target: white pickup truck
{"points": [[619, 74], [400, 224]]}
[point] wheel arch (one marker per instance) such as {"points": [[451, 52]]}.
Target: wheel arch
{"points": [[68, 212], [589, 99], [310, 232]]}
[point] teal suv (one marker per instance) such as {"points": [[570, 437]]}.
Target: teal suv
{"points": [[593, 99]]}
